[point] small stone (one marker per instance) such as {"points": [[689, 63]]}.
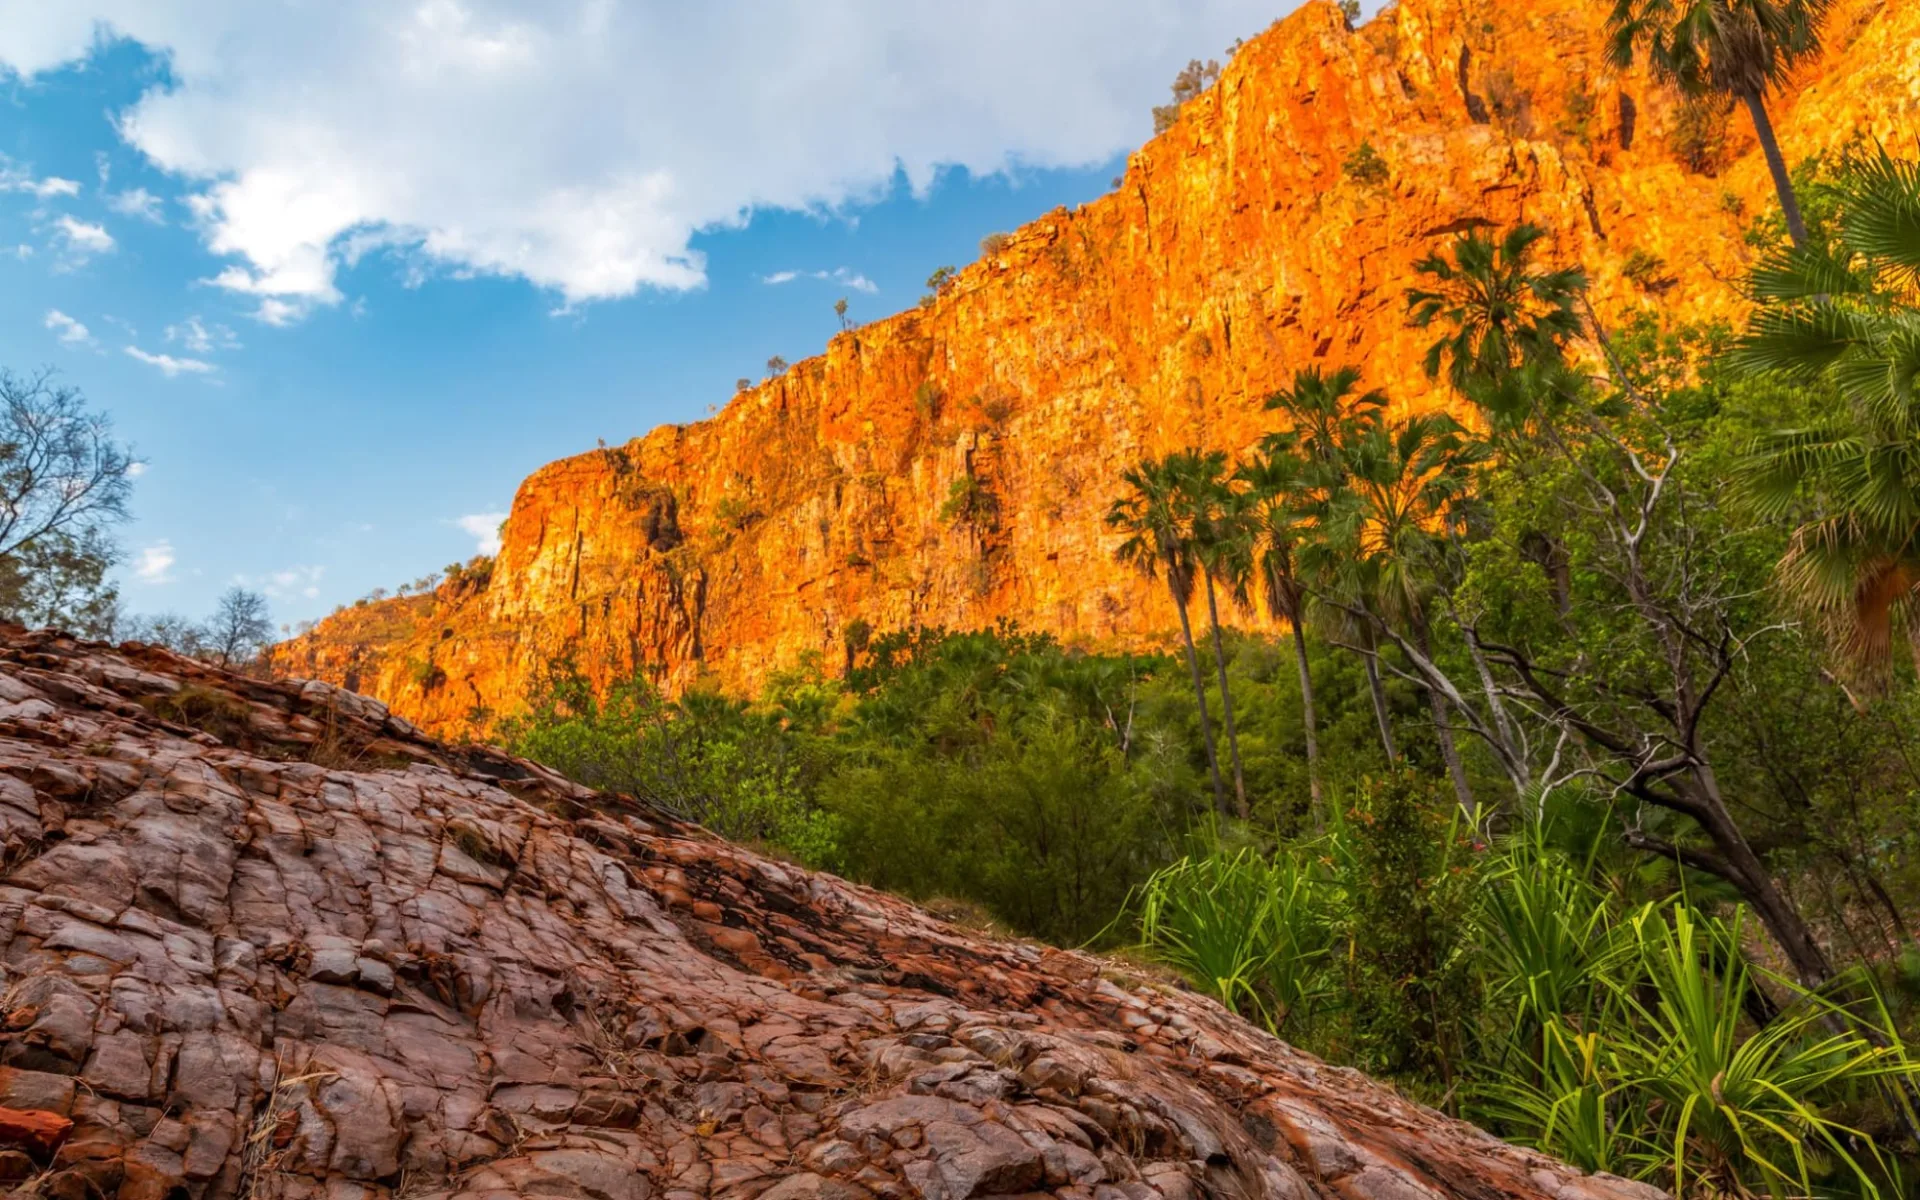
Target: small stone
{"points": [[34, 1130]]}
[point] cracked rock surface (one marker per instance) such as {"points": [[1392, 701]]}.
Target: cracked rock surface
{"points": [[267, 940]]}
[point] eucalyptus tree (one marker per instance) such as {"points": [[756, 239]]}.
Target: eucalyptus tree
{"points": [[1738, 48], [1159, 544], [65, 482], [1845, 315]]}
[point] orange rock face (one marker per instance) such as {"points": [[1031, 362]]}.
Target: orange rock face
{"points": [[1244, 243]]}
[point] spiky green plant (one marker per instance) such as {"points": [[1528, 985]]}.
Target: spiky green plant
{"points": [[1739, 1108], [1572, 1103], [1250, 931], [1549, 942]]}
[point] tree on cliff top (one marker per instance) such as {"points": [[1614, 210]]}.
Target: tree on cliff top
{"points": [[1739, 48], [1194, 78]]}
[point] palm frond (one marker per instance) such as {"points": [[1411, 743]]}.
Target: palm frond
{"points": [[1882, 215]]}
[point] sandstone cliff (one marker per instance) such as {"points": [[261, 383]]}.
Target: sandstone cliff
{"points": [[1239, 246], [267, 940]]}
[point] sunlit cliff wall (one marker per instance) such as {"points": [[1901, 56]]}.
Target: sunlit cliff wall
{"points": [[1235, 250]]}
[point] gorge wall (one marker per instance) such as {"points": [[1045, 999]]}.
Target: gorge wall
{"points": [[1237, 248]]}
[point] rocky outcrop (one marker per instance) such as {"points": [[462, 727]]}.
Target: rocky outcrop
{"points": [[1274, 226], [267, 940]]}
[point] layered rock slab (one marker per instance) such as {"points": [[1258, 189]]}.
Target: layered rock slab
{"points": [[267, 940]]}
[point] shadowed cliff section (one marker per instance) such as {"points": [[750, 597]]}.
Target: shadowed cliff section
{"points": [[1273, 227], [268, 940]]}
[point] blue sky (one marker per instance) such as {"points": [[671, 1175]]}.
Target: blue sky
{"points": [[341, 317]]}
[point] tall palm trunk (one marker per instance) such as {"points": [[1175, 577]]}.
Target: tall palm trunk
{"points": [[1776, 163], [1306, 712], [1378, 692], [1199, 687], [1226, 705], [1449, 752]]}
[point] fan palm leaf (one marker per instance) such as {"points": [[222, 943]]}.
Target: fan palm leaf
{"points": [[1845, 314]]}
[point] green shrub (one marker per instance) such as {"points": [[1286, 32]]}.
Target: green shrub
{"points": [[926, 401], [1646, 271], [210, 710], [1194, 78], [1043, 821], [971, 503], [1699, 138], [735, 513], [740, 771], [1408, 876], [1365, 166], [1578, 109]]}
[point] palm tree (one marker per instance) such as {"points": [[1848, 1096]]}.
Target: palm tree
{"points": [[1739, 48], [1158, 544], [1404, 491], [1278, 485], [1845, 314], [1508, 320], [1325, 415], [1217, 518]]}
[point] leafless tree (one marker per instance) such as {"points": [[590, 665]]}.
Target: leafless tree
{"points": [[177, 633], [240, 628]]}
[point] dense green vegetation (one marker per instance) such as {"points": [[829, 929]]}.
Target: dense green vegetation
{"points": [[1577, 797]]}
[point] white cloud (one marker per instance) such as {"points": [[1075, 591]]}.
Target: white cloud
{"points": [[279, 313], [136, 469], [281, 585], [18, 179], [484, 528], [154, 564], [71, 332], [201, 338], [841, 275], [580, 144], [138, 202], [171, 366], [82, 239]]}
